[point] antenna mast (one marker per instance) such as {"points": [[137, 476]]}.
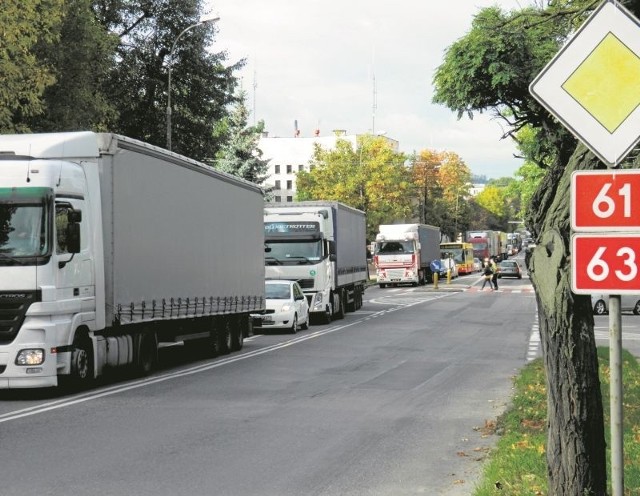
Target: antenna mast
{"points": [[255, 85]]}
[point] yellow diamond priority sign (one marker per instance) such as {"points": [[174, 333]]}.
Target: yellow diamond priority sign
{"points": [[593, 84]]}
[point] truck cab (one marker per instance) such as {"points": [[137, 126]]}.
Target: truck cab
{"points": [[47, 279]]}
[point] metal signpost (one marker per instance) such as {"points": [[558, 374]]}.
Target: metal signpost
{"points": [[591, 87]]}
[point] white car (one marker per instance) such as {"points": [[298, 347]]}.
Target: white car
{"points": [[286, 307], [477, 265], [600, 303]]}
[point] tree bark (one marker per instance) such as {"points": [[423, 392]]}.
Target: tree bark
{"points": [[576, 454]]}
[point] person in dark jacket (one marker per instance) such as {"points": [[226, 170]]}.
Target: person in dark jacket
{"points": [[495, 269], [487, 272]]}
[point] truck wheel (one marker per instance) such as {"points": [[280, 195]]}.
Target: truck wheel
{"points": [[238, 333], [216, 338], [81, 361], [382, 285], [226, 337], [146, 353], [341, 299], [328, 314]]}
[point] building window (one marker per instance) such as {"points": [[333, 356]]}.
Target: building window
{"points": [[278, 199], [289, 198], [289, 168], [300, 168], [277, 184], [289, 184], [277, 169]]}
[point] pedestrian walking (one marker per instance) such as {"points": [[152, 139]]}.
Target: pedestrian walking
{"points": [[487, 272], [495, 269]]}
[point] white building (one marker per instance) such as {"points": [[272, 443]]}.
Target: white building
{"points": [[287, 156]]}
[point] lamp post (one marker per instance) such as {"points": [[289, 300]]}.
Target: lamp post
{"points": [[203, 20]]}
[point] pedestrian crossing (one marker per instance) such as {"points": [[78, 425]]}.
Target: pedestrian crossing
{"points": [[518, 289]]}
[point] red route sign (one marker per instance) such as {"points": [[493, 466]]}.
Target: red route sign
{"points": [[605, 263], [605, 200]]}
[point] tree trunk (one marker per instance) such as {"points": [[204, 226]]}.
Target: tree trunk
{"points": [[576, 455]]}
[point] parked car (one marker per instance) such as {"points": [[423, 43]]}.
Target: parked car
{"points": [[628, 303], [477, 265], [286, 307], [509, 268]]}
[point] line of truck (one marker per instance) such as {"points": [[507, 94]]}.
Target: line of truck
{"points": [[110, 247]]}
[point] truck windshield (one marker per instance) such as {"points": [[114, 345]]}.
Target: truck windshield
{"points": [[23, 228], [394, 247], [293, 252]]}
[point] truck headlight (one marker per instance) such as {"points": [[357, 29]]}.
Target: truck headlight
{"points": [[318, 298], [33, 356], [286, 307]]}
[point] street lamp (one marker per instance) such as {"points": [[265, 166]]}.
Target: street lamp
{"points": [[202, 20]]}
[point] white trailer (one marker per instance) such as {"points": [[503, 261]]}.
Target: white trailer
{"points": [[404, 252], [130, 246], [323, 246]]}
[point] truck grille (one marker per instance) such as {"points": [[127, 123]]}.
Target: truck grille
{"points": [[13, 307]]}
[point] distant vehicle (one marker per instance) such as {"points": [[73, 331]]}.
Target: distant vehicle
{"points": [[509, 268], [462, 253], [404, 253], [477, 265], [486, 244], [320, 244], [628, 303], [286, 307]]}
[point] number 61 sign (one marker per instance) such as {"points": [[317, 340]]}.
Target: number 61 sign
{"points": [[605, 200], [605, 263]]}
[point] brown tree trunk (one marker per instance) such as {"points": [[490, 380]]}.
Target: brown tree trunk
{"points": [[576, 455]]}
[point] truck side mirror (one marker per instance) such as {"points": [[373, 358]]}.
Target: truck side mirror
{"points": [[332, 250], [74, 216], [73, 237]]}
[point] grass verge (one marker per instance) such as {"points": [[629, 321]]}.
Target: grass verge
{"points": [[517, 465]]}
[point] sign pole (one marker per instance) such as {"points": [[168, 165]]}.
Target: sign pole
{"points": [[615, 395]]}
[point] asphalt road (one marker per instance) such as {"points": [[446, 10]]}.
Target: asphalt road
{"points": [[393, 400]]}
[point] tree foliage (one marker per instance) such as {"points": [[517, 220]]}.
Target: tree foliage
{"points": [[202, 87], [25, 24], [372, 178], [490, 69], [81, 62], [103, 65], [441, 186], [239, 154]]}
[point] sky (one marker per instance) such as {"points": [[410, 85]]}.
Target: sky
{"points": [[364, 66]]}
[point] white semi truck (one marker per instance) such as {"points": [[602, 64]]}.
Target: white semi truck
{"points": [[404, 252], [323, 246], [110, 246]]}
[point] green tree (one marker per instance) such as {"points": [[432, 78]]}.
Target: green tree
{"points": [[492, 198], [239, 154], [25, 24], [81, 60], [490, 68], [372, 178], [202, 87], [441, 182]]}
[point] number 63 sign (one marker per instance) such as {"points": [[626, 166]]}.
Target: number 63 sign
{"points": [[605, 263]]}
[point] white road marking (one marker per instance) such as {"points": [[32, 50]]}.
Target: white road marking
{"points": [[136, 384]]}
